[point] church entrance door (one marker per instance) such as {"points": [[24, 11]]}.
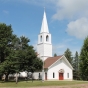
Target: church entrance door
{"points": [[61, 76]]}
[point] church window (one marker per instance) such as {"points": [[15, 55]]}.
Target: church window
{"points": [[41, 38], [47, 38], [53, 75], [39, 75], [67, 75]]}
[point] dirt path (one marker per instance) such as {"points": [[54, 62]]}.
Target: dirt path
{"points": [[71, 86]]}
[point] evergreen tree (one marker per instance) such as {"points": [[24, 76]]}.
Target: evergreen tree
{"points": [[84, 60], [76, 66], [55, 55], [68, 55]]}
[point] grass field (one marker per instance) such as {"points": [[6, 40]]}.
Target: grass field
{"points": [[39, 83]]}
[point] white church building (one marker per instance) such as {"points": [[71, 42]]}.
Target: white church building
{"points": [[54, 68]]}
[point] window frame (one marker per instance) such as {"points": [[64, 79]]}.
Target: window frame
{"points": [[47, 38], [53, 75], [41, 38], [67, 75]]}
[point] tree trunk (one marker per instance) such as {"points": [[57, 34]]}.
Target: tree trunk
{"points": [[32, 76], [6, 78], [16, 78], [27, 77]]}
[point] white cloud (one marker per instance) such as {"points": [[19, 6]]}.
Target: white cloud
{"points": [[65, 9], [78, 28], [73, 10], [69, 9]]}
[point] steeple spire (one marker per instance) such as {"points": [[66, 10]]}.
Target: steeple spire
{"points": [[44, 27], [44, 46]]}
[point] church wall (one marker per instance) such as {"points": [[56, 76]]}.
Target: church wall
{"points": [[37, 75], [44, 51], [40, 50], [48, 50], [55, 69]]}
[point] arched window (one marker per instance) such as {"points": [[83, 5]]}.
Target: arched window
{"points": [[41, 38], [47, 38]]}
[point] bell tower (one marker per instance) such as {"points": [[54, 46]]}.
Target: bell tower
{"points": [[44, 46]]}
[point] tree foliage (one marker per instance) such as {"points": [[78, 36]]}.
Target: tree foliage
{"points": [[55, 55], [68, 55], [16, 54], [5, 39], [75, 64], [84, 60]]}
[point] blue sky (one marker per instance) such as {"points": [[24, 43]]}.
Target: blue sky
{"points": [[67, 21]]}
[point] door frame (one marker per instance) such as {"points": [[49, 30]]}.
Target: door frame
{"points": [[61, 72], [61, 76]]}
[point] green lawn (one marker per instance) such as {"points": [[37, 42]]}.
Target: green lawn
{"points": [[39, 83]]}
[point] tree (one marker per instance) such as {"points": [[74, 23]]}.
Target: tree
{"points": [[16, 54], [5, 40], [27, 57], [84, 60], [31, 62], [68, 55], [5, 45], [75, 64], [10, 63], [55, 55]]}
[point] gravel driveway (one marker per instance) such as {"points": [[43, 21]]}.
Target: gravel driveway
{"points": [[72, 86]]}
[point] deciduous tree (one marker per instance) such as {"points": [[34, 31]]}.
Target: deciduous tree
{"points": [[16, 54], [5, 40]]}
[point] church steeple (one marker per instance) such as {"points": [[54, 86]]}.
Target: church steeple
{"points": [[44, 27], [44, 46]]}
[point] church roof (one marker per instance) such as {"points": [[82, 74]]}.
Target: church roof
{"points": [[44, 27], [49, 61]]}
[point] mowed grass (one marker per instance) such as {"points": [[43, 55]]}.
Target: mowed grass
{"points": [[40, 83]]}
